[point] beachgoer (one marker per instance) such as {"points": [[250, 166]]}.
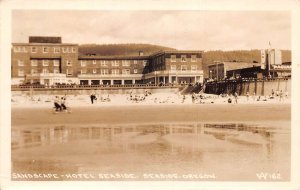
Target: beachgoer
{"points": [[63, 103], [280, 95], [272, 92], [93, 97], [236, 97], [57, 104], [254, 96]]}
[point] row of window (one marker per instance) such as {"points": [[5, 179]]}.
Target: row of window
{"points": [[83, 71], [34, 62], [184, 67], [114, 63], [113, 71], [22, 49], [103, 71], [183, 58]]}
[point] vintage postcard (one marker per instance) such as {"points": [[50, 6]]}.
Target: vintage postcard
{"points": [[188, 96]]}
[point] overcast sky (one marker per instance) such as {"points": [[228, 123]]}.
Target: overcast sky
{"points": [[184, 30]]}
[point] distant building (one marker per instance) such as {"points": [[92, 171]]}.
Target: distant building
{"points": [[271, 61], [270, 66], [46, 60], [222, 70]]}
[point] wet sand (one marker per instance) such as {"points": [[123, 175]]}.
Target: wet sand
{"points": [[153, 114], [153, 139]]}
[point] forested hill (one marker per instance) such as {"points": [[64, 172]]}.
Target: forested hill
{"points": [[249, 56], [120, 49], [208, 57]]}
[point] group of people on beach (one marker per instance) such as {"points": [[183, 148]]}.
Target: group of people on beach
{"points": [[60, 103]]}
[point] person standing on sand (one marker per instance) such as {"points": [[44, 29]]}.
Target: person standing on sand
{"points": [[254, 96], [93, 97], [280, 95], [236, 97]]}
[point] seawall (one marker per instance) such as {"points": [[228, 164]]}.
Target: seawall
{"points": [[259, 87]]}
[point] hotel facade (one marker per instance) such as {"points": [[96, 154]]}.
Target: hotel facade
{"points": [[48, 61]]}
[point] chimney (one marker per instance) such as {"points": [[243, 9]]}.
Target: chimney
{"points": [[141, 53]]}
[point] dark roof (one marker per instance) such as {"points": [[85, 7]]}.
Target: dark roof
{"points": [[44, 39]]}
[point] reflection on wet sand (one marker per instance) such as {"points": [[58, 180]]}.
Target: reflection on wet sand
{"points": [[226, 149]]}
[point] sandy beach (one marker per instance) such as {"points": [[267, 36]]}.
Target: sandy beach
{"points": [[159, 136]]}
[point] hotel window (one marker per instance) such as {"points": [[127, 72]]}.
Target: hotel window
{"points": [[194, 68], [104, 71], [45, 49], [173, 67], [135, 61], [135, 71], [103, 63], [173, 58], [74, 50], [144, 63], [183, 58], [126, 71], [193, 58], [45, 71], [66, 50], [20, 72], [94, 62], [94, 71], [69, 63], [115, 71], [125, 63], [33, 50], [45, 63], [33, 63], [56, 50], [115, 63], [183, 68], [34, 71], [83, 63], [16, 49], [83, 71], [55, 70], [56, 63], [20, 63], [69, 72]]}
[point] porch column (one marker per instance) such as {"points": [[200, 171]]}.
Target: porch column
{"points": [[111, 82], [195, 79], [164, 78], [133, 81], [122, 82], [100, 81], [170, 79], [89, 82]]}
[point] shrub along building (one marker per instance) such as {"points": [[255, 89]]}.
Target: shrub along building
{"points": [[46, 60]]}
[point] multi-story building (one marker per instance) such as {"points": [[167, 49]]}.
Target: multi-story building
{"points": [[46, 60]]}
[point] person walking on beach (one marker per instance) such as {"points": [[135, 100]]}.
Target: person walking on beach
{"points": [[57, 104], [63, 103], [254, 96], [93, 97], [280, 95], [236, 97]]}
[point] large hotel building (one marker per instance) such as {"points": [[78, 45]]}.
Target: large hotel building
{"points": [[48, 61]]}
